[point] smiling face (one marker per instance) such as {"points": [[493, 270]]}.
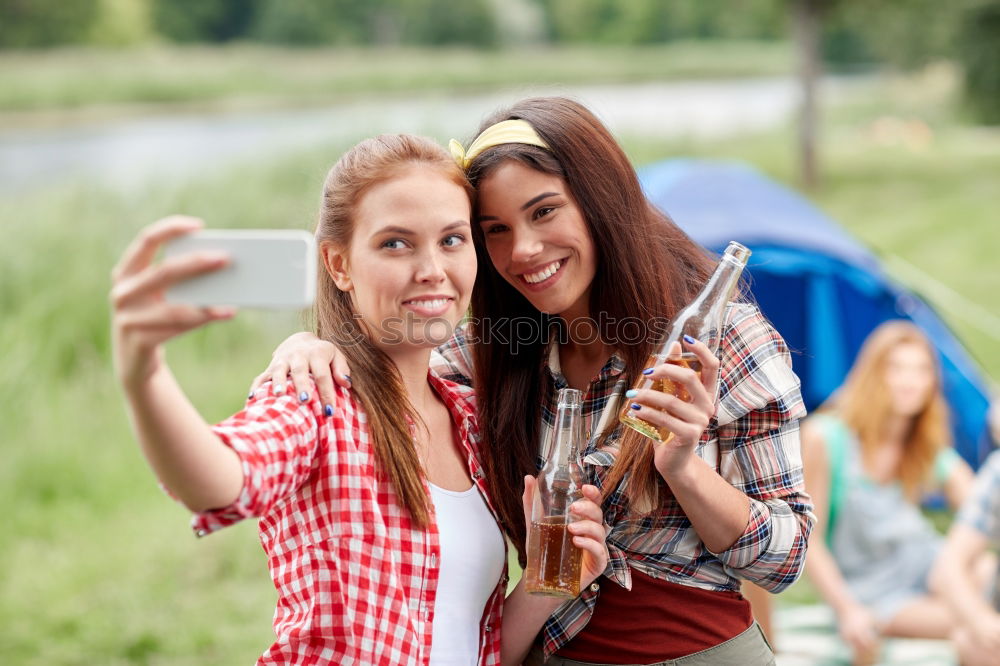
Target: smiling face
{"points": [[537, 238], [910, 378], [411, 263]]}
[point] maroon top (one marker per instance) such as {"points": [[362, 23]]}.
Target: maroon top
{"points": [[665, 621]]}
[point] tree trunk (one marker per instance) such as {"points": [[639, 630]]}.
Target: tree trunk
{"points": [[806, 22]]}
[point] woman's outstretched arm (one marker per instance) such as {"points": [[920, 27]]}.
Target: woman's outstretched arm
{"points": [[183, 451]]}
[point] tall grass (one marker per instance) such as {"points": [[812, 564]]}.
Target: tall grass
{"points": [[254, 74], [99, 566]]}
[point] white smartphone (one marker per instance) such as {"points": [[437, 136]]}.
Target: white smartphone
{"points": [[269, 268]]}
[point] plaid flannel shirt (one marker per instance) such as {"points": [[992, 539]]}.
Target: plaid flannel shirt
{"points": [[752, 442], [981, 508], [356, 579]]}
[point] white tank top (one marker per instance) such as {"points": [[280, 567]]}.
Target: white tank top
{"points": [[472, 554]]}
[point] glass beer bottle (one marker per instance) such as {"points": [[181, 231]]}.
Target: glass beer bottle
{"points": [[553, 561], [703, 320]]}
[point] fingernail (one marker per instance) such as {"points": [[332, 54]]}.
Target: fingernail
{"points": [[250, 395], [631, 393], [278, 389], [688, 339], [647, 371], [303, 396], [328, 410], [635, 406], [348, 378]]}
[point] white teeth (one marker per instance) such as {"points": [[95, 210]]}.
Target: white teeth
{"points": [[543, 274], [430, 305]]}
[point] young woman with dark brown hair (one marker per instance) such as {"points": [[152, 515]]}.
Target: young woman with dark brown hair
{"points": [[382, 540], [578, 260]]}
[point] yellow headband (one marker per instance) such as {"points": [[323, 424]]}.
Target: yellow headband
{"points": [[506, 131]]}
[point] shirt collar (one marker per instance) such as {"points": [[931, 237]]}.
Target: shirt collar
{"points": [[613, 367], [458, 399]]}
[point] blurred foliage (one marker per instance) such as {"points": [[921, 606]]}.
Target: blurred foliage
{"points": [[339, 22], [35, 23], [651, 21], [903, 33], [122, 23], [203, 20], [979, 52]]}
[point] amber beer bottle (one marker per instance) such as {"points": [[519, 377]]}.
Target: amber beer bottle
{"points": [[701, 319], [553, 561]]}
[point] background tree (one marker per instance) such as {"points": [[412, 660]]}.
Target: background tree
{"points": [[979, 53], [807, 30]]}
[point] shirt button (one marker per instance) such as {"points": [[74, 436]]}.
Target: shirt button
{"points": [[594, 587], [487, 628], [478, 474], [434, 559], [201, 533]]}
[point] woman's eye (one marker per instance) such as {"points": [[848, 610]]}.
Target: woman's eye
{"points": [[394, 244], [543, 211], [495, 229], [453, 240]]}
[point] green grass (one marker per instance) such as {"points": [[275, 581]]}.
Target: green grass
{"points": [[101, 568], [104, 81]]}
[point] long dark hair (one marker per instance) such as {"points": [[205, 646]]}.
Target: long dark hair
{"points": [[647, 269], [374, 377]]}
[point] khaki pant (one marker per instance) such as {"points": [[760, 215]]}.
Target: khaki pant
{"points": [[747, 649]]}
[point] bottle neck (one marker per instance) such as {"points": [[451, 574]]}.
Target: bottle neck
{"points": [[704, 317]]}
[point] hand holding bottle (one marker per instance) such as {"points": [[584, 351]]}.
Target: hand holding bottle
{"points": [[684, 411], [587, 528]]}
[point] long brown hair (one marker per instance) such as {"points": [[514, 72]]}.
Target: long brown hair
{"points": [[863, 403], [646, 268], [374, 377]]}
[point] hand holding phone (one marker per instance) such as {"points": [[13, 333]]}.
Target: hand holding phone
{"points": [[270, 269]]}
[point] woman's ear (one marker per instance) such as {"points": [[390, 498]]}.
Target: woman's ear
{"points": [[337, 266]]}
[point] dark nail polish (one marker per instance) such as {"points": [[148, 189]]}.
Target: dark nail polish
{"points": [[647, 371], [688, 339], [348, 378], [250, 395], [328, 410], [303, 396], [635, 406]]}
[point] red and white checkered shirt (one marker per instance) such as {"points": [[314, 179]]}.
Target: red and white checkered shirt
{"points": [[356, 579]]}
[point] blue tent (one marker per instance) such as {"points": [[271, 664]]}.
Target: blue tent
{"points": [[821, 288]]}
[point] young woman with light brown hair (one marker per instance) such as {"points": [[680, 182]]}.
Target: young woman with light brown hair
{"points": [[870, 454], [380, 531]]}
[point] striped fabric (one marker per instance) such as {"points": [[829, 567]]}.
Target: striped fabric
{"points": [[981, 508]]}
